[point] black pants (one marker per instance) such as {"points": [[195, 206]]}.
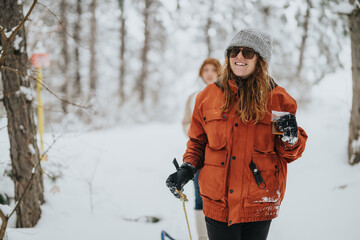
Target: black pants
{"points": [[239, 231]]}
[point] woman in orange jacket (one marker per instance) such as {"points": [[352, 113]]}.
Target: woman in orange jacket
{"points": [[243, 164]]}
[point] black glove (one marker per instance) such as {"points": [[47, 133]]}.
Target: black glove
{"points": [[288, 125], [178, 179]]}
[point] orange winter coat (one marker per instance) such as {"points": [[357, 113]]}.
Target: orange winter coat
{"points": [[223, 147]]}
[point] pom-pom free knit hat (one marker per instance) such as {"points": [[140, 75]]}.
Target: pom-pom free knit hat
{"points": [[253, 38]]}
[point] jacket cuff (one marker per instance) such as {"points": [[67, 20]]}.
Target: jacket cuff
{"points": [[189, 166]]}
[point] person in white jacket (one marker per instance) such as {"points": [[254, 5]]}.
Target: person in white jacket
{"points": [[209, 71]]}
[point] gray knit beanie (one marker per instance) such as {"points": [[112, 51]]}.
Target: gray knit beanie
{"points": [[253, 38]]}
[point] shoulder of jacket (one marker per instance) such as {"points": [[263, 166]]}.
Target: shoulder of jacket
{"points": [[190, 98], [209, 89], [284, 99], [280, 91], [193, 95]]}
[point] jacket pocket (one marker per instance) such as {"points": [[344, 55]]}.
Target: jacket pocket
{"points": [[268, 166], [215, 128], [212, 176], [263, 138]]}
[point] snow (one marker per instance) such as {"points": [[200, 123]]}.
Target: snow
{"points": [[107, 176], [289, 139], [8, 33], [269, 199], [344, 7], [25, 91], [119, 173], [32, 149], [17, 42], [5, 209], [355, 144]]}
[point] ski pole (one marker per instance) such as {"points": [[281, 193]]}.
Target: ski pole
{"points": [[183, 198]]}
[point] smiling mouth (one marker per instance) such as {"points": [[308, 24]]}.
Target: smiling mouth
{"points": [[240, 64]]}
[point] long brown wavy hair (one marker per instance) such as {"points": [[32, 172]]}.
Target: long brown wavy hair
{"points": [[254, 91]]}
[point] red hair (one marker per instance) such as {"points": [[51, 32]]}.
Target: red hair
{"points": [[212, 61]]}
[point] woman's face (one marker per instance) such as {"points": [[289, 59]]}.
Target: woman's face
{"points": [[241, 66], [209, 74]]}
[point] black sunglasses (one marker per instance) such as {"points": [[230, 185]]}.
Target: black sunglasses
{"points": [[248, 53]]}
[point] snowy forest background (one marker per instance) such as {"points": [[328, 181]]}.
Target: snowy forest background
{"points": [[114, 97], [149, 75]]}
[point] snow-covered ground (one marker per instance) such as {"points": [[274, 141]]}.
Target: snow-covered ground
{"points": [[119, 173]]}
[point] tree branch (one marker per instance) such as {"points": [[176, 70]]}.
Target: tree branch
{"points": [[4, 221], [2, 215], [3, 34], [357, 3], [5, 218], [31, 178], [22, 21], [9, 39], [46, 87], [55, 95], [59, 21]]}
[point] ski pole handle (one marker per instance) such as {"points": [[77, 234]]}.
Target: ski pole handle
{"points": [[176, 164]]}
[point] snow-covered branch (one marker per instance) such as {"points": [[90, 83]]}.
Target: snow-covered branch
{"points": [[357, 3], [7, 40], [3, 35], [346, 8]]}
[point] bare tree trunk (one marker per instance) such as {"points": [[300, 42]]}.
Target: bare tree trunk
{"points": [[93, 32], [77, 30], [122, 52], [207, 28], [18, 100], [354, 128], [144, 69], [64, 62], [304, 38]]}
